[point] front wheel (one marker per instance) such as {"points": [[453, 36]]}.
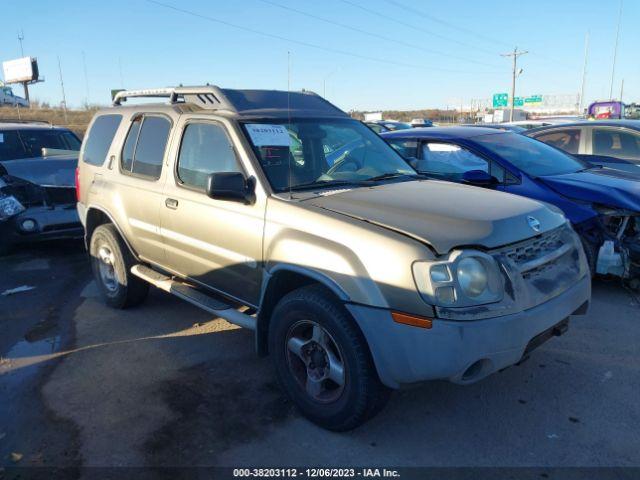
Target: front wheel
{"points": [[323, 361]]}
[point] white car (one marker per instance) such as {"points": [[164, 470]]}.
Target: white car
{"points": [[8, 98]]}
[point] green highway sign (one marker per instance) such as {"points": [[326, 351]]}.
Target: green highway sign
{"points": [[533, 99], [500, 100], [518, 102]]}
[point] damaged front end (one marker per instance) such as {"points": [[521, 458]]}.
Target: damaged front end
{"points": [[612, 240], [33, 212]]}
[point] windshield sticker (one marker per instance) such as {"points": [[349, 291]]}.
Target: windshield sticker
{"points": [[268, 135]]}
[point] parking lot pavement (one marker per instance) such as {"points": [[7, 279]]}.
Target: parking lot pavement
{"points": [[166, 384]]}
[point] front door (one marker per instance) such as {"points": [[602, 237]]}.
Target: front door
{"points": [[216, 243]]}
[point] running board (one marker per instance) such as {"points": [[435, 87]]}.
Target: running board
{"points": [[194, 296]]}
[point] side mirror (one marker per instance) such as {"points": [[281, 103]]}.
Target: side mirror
{"points": [[479, 178], [231, 186]]}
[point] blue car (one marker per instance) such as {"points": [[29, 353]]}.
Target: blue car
{"points": [[603, 204]]}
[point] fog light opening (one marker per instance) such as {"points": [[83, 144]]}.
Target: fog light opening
{"points": [[28, 225]]}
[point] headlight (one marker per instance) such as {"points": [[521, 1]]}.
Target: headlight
{"points": [[9, 207], [472, 277], [464, 279]]}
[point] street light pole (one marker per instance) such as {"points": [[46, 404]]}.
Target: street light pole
{"points": [[515, 54], [615, 53]]}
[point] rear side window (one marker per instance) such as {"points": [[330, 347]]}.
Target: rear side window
{"points": [[616, 143], [205, 150], [567, 140], [144, 147], [99, 139], [11, 148]]}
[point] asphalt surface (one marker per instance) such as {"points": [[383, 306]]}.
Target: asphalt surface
{"points": [[165, 384]]}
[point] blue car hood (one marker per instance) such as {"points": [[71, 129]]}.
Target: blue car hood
{"points": [[606, 186]]}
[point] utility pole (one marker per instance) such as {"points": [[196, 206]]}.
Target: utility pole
{"points": [[64, 98], [584, 73], [515, 54], [621, 90], [86, 77], [615, 53], [20, 39], [25, 85]]}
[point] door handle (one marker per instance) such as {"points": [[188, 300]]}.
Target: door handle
{"points": [[171, 203]]}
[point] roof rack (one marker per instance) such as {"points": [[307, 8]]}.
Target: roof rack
{"points": [[209, 96]]}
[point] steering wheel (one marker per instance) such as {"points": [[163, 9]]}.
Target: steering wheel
{"points": [[345, 160]]}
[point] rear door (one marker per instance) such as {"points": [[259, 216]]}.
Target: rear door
{"points": [[140, 183], [216, 243]]}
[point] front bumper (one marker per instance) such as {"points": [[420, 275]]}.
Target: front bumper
{"points": [[461, 351], [51, 223]]}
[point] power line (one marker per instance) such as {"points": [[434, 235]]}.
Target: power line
{"points": [[373, 34], [413, 27], [301, 42], [447, 24], [471, 32]]}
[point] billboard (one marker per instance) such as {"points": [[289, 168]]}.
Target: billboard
{"points": [[23, 69]]}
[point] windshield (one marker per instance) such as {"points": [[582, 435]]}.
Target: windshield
{"points": [[534, 158], [312, 152]]}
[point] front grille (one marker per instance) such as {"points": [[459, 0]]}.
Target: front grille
{"points": [[536, 249], [543, 267], [60, 195]]}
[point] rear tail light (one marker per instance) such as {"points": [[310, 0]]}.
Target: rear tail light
{"points": [[77, 184]]}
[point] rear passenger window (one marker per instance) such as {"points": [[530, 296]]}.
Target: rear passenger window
{"points": [[130, 145], [11, 147], [616, 143], [205, 149], [567, 140], [99, 139], [144, 147]]}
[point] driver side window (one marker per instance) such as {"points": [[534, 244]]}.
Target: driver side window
{"points": [[449, 161], [205, 149]]}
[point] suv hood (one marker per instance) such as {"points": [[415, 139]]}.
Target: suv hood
{"points": [[445, 215], [606, 186]]}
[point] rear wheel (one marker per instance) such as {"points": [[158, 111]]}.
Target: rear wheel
{"points": [[322, 360], [111, 263]]}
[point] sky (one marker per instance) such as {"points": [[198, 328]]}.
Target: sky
{"points": [[361, 54]]}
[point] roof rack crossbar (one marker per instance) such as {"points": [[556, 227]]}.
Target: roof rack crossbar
{"points": [[208, 97]]}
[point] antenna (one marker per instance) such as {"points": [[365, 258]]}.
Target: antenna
{"points": [[289, 113], [64, 98]]}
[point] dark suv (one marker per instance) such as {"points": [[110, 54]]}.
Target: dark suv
{"points": [[26, 140]]}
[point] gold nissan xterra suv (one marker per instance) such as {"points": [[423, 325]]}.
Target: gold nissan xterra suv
{"points": [[279, 213]]}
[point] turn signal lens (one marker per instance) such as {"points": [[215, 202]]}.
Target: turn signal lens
{"points": [[412, 320]]}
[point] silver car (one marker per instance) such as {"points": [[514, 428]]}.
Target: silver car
{"points": [[280, 213]]}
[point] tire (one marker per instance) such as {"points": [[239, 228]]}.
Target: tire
{"points": [[296, 319], [111, 262]]}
